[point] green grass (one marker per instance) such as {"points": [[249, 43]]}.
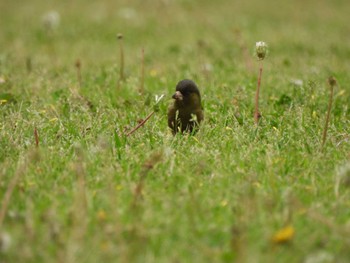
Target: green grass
{"points": [[218, 196]]}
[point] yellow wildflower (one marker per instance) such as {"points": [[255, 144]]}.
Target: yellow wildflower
{"points": [[223, 203], [284, 235], [153, 72], [101, 215]]}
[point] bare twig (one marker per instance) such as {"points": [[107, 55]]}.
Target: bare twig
{"points": [[140, 124], [36, 136], [121, 48], [155, 109], [78, 67], [257, 113]]}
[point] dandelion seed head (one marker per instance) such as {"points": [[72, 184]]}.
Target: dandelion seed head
{"points": [[51, 20], [260, 50], [297, 82], [332, 81], [207, 67], [127, 13], [119, 36]]}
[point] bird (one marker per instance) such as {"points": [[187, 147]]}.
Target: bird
{"points": [[186, 112]]}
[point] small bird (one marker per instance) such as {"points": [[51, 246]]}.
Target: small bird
{"points": [[186, 113]]}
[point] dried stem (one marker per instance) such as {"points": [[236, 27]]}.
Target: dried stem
{"points": [[36, 136], [332, 83], [140, 124], [121, 71], [78, 67], [257, 113], [142, 78]]}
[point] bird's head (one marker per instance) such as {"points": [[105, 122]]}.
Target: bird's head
{"points": [[187, 94]]}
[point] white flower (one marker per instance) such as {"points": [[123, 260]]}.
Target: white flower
{"points": [[207, 67], [5, 241], [297, 82], [320, 257], [51, 20], [127, 13], [158, 98], [261, 50]]}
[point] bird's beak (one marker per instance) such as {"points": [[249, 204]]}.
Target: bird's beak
{"points": [[178, 96]]}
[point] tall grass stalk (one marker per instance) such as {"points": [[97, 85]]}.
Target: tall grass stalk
{"points": [[332, 82]]}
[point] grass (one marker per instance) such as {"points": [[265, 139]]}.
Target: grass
{"points": [[88, 193]]}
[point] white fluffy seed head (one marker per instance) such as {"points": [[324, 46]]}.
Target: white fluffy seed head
{"points": [[51, 20], [261, 50]]}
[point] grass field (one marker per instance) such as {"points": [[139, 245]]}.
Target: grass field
{"points": [[234, 192]]}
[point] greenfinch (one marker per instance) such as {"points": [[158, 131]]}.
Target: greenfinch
{"points": [[186, 112]]}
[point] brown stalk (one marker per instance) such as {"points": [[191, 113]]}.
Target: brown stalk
{"points": [[121, 50], [140, 124], [257, 115], [36, 136], [78, 67]]}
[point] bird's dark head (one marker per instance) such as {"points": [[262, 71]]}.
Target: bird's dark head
{"points": [[187, 93]]}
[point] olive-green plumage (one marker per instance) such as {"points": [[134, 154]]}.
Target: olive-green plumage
{"points": [[186, 113]]}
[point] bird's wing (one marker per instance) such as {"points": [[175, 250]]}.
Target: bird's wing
{"points": [[200, 115]]}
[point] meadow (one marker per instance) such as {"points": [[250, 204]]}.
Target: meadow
{"points": [[75, 188]]}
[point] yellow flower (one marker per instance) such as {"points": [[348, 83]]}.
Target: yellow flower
{"points": [[101, 215], [284, 235], [257, 184], [104, 246], [153, 72], [30, 184], [223, 203]]}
